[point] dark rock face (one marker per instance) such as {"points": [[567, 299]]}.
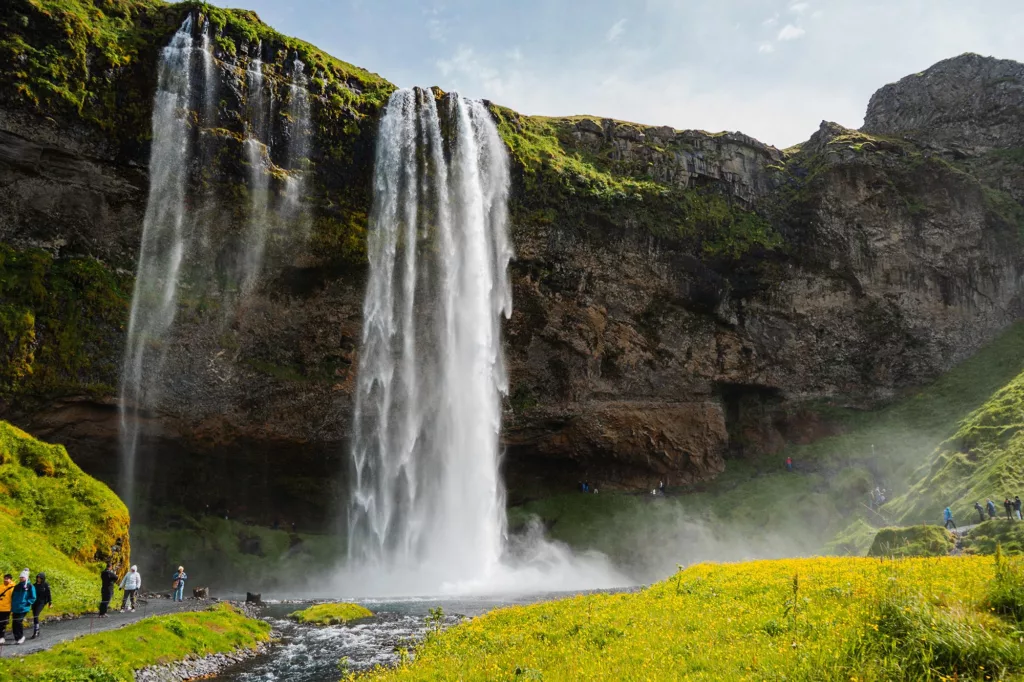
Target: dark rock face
{"points": [[968, 104], [650, 340]]}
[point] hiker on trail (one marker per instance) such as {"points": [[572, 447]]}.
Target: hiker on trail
{"points": [[6, 592], [661, 487], [981, 512], [991, 509], [949, 518], [1008, 506], [107, 580], [179, 584], [44, 598], [1016, 506], [789, 464], [131, 583], [22, 598]]}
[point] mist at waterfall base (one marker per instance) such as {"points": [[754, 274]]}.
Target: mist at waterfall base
{"points": [[427, 512]]}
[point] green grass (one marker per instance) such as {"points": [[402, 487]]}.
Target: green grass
{"points": [[799, 619], [823, 504], [56, 519], [912, 541], [114, 655], [331, 614], [986, 538]]}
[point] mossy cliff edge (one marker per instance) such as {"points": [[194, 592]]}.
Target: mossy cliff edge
{"points": [[680, 296]]}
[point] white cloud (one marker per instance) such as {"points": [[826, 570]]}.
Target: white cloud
{"points": [[771, 21], [616, 30], [765, 48], [799, 7], [791, 32]]}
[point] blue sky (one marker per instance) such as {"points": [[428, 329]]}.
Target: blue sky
{"points": [[770, 68]]}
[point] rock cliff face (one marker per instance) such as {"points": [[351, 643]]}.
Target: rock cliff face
{"points": [[680, 297]]}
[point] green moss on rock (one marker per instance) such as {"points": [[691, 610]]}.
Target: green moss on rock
{"points": [[912, 541], [331, 614], [61, 324], [54, 518]]}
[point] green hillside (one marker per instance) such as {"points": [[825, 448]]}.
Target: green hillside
{"points": [[56, 519]]}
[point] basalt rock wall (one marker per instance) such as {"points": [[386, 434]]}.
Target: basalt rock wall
{"points": [[680, 297]]}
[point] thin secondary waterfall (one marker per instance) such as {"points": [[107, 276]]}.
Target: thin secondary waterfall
{"points": [[258, 159], [297, 150], [162, 248], [426, 488]]}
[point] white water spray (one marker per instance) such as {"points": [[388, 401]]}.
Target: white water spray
{"points": [[161, 251], [257, 157], [427, 511], [297, 149]]}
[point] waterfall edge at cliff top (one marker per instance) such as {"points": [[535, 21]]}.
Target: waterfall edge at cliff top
{"points": [[427, 511]]}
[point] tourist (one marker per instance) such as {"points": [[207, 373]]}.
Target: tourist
{"points": [[949, 518], [22, 598], [981, 512], [1016, 506], [991, 509], [44, 598], [131, 583], [107, 581], [1008, 506], [179, 584], [789, 464], [6, 592]]}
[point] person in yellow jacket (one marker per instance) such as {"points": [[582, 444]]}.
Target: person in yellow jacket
{"points": [[6, 592]]}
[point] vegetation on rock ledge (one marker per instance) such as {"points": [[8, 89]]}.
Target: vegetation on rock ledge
{"points": [[331, 614]]}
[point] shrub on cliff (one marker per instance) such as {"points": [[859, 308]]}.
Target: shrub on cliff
{"points": [[56, 519]]}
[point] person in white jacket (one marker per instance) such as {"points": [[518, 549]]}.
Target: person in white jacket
{"points": [[131, 584]]}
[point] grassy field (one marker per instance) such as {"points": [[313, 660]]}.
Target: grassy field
{"points": [[757, 509], [331, 614], [113, 656], [56, 519], [804, 619]]}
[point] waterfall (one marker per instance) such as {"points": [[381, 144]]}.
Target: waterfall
{"points": [[257, 157], [426, 490], [297, 151], [161, 250]]}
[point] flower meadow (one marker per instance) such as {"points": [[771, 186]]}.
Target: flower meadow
{"points": [[853, 619]]}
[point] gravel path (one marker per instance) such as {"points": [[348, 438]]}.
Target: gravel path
{"points": [[52, 632]]}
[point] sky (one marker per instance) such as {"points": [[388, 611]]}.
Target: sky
{"points": [[773, 69]]}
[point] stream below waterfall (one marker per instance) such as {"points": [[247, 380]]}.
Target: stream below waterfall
{"points": [[307, 653]]}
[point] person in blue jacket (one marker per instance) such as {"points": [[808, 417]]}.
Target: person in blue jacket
{"points": [[21, 601], [949, 518], [179, 584]]}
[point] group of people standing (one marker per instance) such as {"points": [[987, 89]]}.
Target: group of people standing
{"points": [[1011, 507], [18, 599]]}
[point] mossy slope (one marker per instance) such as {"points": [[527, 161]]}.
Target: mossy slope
{"points": [[56, 519], [809, 619], [912, 541], [113, 656]]}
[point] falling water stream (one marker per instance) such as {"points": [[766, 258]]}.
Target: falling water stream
{"points": [[428, 403], [162, 249]]}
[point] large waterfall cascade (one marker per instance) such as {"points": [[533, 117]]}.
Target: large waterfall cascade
{"points": [[180, 230], [426, 488]]}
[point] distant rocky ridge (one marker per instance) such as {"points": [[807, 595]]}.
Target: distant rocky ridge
{"points": [[680, 297]]}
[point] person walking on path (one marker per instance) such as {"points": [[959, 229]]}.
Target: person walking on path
{"points": [[6, 593], [949, 518], [1008, 506], [131, 583], [991, 509], [789, 464], [981, 512], [107, 581], [22, 598], [44, 598], [1016, 506], [179, 584]]}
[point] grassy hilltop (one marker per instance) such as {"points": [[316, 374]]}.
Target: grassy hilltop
{"points": [[56, 519]]}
